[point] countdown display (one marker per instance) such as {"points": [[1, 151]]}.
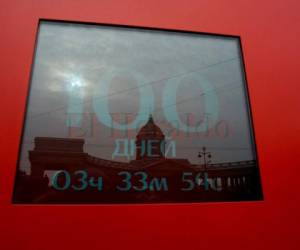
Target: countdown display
{"points": [[135, 115]]}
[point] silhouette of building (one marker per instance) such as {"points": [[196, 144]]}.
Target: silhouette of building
{"points": [[150, 142], [231, 181]]}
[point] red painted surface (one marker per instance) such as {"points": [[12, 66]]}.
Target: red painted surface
{"points": [[270, 38]]}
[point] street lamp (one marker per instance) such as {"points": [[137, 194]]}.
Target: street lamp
{"points": [[204, 154]]}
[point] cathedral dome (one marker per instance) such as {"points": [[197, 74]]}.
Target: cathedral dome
{"points": [[150, 131], [150, 142]]}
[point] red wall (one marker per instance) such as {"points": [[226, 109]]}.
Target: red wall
{"points": [[270, 37]]}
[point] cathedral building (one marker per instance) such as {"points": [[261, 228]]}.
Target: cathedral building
{"points": [[166, 179]]}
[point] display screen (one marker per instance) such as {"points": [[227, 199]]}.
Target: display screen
{"points": [[134, 115]]}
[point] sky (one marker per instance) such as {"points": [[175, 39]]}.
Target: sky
{"points": [[84, 73]]}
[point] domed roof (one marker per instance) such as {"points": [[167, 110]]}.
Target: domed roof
{"points": [[150, 130]]}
